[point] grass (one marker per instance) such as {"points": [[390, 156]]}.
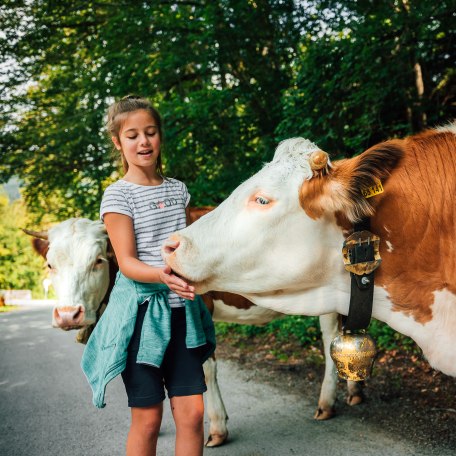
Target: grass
{"points": [[8, 308]]}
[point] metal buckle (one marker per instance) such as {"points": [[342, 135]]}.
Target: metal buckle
{"points": [[361, 239]]}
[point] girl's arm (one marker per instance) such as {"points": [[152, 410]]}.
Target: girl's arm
{"points": [[122, 237]]}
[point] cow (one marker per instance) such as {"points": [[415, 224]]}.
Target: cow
{"points": [[82, 269], [283, 231]]}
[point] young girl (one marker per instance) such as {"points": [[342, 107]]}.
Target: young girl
{"points": [[155, 331]]}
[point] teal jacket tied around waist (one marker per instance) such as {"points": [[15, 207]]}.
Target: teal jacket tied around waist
{"points": [[105, 355]]}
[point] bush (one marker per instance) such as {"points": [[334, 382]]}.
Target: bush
{"points": [[306, 331], [389, 339], [22, 268]]}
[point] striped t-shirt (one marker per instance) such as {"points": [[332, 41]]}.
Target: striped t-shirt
{"points": [[157, 211]]}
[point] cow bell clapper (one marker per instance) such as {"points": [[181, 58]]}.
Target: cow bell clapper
{"points": [[354, 351]]}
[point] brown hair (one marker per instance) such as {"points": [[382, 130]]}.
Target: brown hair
{"points": [[126, 105]]}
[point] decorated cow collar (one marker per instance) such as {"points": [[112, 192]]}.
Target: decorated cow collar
{"points": [[361, 257], [354, 351]]}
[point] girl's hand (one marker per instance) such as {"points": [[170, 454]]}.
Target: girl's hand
{"points": [[176, 284]]}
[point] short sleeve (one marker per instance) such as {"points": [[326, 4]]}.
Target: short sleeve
{"points": [[186, 194], [115, 200]]}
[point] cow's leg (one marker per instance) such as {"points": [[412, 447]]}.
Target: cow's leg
{"points": [[218, 432], [355, 393], [330, 328]]}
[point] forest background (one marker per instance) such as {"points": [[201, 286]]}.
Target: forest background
{"points": [[231, 78]]}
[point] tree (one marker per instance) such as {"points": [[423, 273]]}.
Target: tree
{"points": [[231, 78], [20, 267], [216, 70], [372, 70]]}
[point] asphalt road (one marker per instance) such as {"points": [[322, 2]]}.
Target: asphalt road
{"points": [[46, 409]]}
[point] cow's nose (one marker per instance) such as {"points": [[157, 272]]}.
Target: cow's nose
{"points": [[170, 246], [69, 316]]}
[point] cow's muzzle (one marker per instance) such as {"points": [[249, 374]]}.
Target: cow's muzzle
{"points": [[169, 251], [170, 246], [69, 317]]}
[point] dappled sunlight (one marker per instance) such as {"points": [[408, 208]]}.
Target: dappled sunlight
{"points": [[31, 344]]}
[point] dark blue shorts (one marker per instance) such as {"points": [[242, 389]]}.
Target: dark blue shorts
{"points": [[181, 372]]}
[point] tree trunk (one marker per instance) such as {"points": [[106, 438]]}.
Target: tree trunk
{"points": [[420, 115]]}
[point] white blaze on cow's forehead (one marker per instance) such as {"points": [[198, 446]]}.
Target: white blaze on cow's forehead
{"points": [[81, 227], [292, 155], [291, 160], [77, 240]]}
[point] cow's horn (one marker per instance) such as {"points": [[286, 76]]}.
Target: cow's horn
{"points": [[37, 234], [318, 160]]}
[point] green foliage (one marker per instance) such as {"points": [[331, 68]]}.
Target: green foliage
{"points": [[216, 70], [231, 78], [8, 308], [20, 267], [368, 71], [304, 330], [388, 339]]}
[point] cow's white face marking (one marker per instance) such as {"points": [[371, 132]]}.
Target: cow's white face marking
{"points": [[259, 231], [78, 264]]}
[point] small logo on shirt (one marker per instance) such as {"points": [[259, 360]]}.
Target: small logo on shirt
{"points": [[168, 202]]}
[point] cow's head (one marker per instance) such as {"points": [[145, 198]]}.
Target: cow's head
{"points": [[278, 232], [76, 252]]}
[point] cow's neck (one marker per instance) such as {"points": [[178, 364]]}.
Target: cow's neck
{"points": [[326, 298]]}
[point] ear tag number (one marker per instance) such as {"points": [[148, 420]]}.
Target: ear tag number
{"points": [[376, 189]]}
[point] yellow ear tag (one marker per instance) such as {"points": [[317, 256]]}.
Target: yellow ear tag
{"points": [[376, 189]]}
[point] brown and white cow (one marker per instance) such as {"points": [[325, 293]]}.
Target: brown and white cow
{"points": [[283, 231], [82, 269]]}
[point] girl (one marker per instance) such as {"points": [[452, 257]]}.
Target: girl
{"points": [[155, 331]]}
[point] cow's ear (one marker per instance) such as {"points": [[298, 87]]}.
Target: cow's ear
{"points": [[41, 246], [110, 252], [341, 189]]}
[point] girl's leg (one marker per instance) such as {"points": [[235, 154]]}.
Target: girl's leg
{"points": [[188, 413], [144, 429]]}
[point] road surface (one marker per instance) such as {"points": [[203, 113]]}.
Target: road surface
{"points": [[46, 409]]}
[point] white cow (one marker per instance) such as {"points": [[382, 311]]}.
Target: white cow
{"points": [[82, 269], [277, 239]]}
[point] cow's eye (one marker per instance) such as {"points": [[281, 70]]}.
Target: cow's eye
{"points": [[261, 200], [99, 262]]}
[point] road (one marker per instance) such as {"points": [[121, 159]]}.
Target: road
{"points": [[46, 409]]}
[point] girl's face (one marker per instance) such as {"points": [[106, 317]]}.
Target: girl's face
{"points": [[139, 139]]}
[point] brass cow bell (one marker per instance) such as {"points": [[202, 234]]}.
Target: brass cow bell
{"points": [[353, 354]]}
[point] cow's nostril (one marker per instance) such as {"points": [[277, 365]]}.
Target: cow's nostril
{"points": [[77, 314], [170, 247], [69, 316]]}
